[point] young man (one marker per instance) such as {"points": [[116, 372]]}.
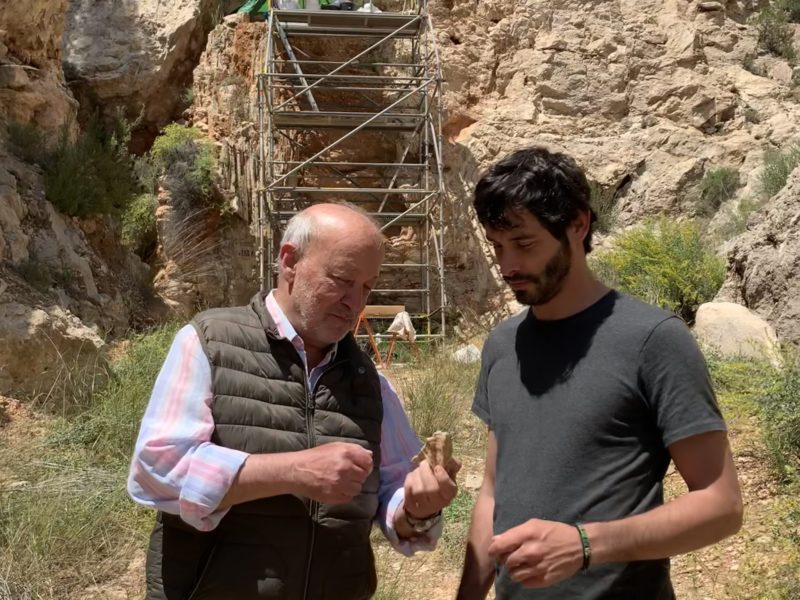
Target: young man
{"points": [[271, 444], [588, 394]]}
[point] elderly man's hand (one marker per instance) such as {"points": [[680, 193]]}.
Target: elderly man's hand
{"points": [[428, 490], [333, 473]]}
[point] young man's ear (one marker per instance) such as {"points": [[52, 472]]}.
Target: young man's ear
{"points": [[288, 257], [579, 228]]}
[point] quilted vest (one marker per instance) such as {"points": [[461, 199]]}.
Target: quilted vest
{"points": [[288, 546]]}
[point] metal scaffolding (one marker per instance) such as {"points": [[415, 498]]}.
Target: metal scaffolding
{"points": [[349, 108]]}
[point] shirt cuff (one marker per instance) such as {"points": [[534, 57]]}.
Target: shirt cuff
{"points": [[423, 542], [211, 473]]}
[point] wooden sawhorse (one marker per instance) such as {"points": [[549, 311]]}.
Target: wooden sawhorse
{"points": [[381, 312]]}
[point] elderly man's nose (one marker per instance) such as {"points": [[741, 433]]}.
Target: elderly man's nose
{"points": [[353, 298]]}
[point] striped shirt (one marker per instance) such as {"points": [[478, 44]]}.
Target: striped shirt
{"points": [[177, 469]]}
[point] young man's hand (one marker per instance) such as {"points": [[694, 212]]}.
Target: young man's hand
{"points": [[538, 553]]}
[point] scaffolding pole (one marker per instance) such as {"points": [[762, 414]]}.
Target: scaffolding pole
{"points": [[377, 85]]}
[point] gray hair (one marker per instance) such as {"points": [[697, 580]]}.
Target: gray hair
{"points": [[302, 228]]}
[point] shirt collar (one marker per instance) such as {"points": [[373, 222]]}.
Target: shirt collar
{"points": [[285, 328]]}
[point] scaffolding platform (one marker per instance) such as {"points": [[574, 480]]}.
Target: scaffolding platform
{"points": [[350, 107]]}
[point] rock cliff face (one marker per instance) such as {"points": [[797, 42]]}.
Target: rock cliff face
{"points": [[137, 55], [32, 88], [65, 284], [647, 95], [764, 263]]}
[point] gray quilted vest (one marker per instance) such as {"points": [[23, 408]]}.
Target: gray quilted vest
{"points": [[286, 546]]}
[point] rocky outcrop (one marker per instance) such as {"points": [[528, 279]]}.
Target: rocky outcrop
{"points": [[648, 96], [32, 88], [65, 284], [137, 55], [764, 262], [44, 349]]}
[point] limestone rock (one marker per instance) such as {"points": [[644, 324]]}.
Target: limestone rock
{"points": [[647, 96], [734, 331], [32, 88], [43, 346], [764, 262], [467, 354], [138, 55]]}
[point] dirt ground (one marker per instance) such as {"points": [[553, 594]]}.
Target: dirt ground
{"points": [[732, 569]]}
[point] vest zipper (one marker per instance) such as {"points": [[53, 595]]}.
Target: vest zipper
{"points": [[313, 508]]}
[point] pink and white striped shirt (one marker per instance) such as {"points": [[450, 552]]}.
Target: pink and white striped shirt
{"points": [[177, 469]]}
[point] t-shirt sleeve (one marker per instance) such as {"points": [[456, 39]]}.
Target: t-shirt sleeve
{"points": [[676, 383], [480, 404]]}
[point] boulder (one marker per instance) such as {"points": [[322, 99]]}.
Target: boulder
{"points": [[44, 349], [732, 330]]}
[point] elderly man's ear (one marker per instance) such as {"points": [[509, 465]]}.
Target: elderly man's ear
{"points": [[288, 260]]}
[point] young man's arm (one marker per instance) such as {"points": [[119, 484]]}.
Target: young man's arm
{"points": [[710, 511], [542, 553], [478, 572]]}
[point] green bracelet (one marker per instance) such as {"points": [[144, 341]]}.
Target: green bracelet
{"points": [[587, 549]]}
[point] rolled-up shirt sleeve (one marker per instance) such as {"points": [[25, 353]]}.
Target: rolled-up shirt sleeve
{"points": [[398, 444], [175, 467]]}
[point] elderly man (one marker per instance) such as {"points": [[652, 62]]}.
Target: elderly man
{"points": [[271, 444]]}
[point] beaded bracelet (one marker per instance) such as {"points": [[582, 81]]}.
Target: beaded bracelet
{"points": [[587, 549]]}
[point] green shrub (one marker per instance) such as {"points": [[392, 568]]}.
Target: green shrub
{"points": [[603, 206], [139, 225], [777, 168], [775, 34], [791, 9], [736, 217], [92, 174], [27, 142], [781, 405], [186, 160], [664, 263], [717, 186]]}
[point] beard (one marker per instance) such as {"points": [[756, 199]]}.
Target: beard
{"points": [[547, 284]]}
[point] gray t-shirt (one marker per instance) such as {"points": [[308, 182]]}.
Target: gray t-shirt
{"points": [[583, 410]]}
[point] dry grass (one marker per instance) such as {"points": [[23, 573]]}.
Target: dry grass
{"points": [[66, 527]]}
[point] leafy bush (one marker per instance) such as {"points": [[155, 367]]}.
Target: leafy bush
{"points": [[603, 206], [664, 263], [775, 34], [777, 168], [735, 218], [27, 142], [717, 186], [186, 160], [139, 225], [92, 174], [781, 405], [791, 9]]}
